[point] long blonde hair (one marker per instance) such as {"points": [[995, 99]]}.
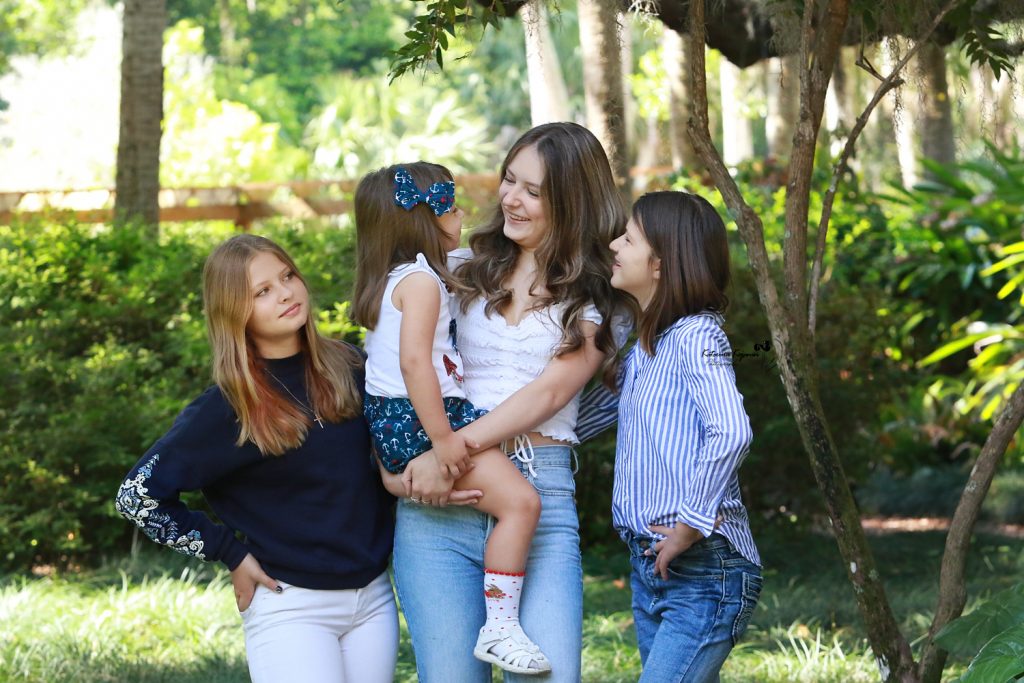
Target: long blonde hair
{"points": [[266, 416], [388, 235], [585, 214]]}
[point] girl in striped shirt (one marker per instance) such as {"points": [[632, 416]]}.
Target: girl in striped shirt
{"points": [[682, 434]]}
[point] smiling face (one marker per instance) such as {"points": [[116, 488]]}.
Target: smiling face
{"points": [[636, 269], [526, 214], [280, 305]]}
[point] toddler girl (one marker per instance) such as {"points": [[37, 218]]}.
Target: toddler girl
{"points": [[406, 223]]}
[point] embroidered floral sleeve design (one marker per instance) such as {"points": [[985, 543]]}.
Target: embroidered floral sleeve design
{"points": [[135, 504]]}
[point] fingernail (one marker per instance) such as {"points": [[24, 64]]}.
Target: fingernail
{"points": [[279, 589]]}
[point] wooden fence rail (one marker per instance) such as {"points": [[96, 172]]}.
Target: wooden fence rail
{"points": [[241, 204]]}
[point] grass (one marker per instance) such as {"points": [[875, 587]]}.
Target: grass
{"points": [[164, 618]]}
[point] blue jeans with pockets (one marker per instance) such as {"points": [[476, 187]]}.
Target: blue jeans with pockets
{"points": [[439, 573], [687, 625]]}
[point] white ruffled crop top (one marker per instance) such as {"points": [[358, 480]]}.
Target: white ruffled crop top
{"points": [[500, 359]]}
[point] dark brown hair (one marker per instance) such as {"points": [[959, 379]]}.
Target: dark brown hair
{"points": [[585, 214], [388, 235], [689, 237]]}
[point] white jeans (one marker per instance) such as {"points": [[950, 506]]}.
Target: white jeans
{"points": [[322, 636]]}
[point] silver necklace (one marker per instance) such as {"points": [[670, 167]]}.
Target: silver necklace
{"points": [[302, 405]]}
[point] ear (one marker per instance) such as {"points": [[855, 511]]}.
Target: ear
{"points": [[656, 266]]}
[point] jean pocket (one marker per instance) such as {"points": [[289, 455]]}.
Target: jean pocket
{"points": [[748, 601], [554, 480]]}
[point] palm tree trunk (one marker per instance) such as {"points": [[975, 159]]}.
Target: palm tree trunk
{"points": [[937, 141], [783, 87], [142, 89], [673, 54], [602, 83], [737, 133]]}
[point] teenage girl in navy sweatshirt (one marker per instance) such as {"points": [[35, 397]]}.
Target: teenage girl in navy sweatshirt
{"points": [[280, 450]]}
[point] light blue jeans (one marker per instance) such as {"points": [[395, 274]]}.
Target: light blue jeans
{"points": [[686, 626], [438, 561]]}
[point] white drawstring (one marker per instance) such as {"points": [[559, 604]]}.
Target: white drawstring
{"points": [[524, 452]]}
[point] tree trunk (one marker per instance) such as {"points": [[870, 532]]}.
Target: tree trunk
{"points": [[647, 153], [142, 88], [1006, 127], [903, 110], [737, 133], [844, 89], [937, 142], [230, 51], [783, 88], [788, 319], [952, 587], [602, 83], [549, 98], [673, 55], [625, 33]]}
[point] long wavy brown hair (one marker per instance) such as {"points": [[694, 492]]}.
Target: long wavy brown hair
{"points": [[585, 214], [266, 416], [388, 235], [688, 236]]}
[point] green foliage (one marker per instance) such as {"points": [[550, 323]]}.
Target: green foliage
{"points": [[295, 42], [105, 626], [974, 258], [980, 40], [427, 37], [212, 141], [594, 490], [365, 124], [36, 28], [969, 633], [103, 340], [925, 492], [856, 325], [159, 615], [995, 631]]}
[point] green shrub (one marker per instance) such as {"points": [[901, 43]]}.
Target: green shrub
{"points": [[103, 339], [993, 634], [857, 325], [1005, 501]]}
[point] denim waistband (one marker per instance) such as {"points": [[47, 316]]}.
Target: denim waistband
{"points": [[639, 545], [552, 455]]}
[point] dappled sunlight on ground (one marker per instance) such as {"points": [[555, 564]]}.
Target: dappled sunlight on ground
{"points": [[886, 525]]}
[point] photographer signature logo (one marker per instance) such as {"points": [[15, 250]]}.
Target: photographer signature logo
{"points": [[762, 354]]}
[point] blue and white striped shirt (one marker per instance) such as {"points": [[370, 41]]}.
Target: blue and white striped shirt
{"points": [[682, 435]]}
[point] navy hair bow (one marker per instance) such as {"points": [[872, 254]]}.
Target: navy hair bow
{"points": [[440, 197]]}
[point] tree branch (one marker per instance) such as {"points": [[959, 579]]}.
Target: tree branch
{"points": [[795, 355], [888, 83], [818, 54], [952, 591]]}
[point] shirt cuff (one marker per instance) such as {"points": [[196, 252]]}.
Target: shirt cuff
{"points": [[705, 524], [234, 555]]}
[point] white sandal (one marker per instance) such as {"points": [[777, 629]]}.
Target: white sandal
{"points": [[508, 648]]}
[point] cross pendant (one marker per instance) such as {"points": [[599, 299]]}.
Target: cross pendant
{"points": [[319, 421]]}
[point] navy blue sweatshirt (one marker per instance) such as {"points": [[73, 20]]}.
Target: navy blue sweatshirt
{"points": [[315, 517]]}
